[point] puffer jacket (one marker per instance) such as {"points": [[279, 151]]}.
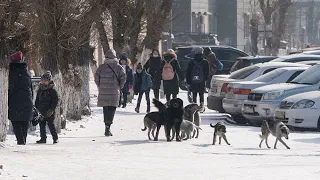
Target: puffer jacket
{"points": [[20, 94], [109, 81], [47, 99]]}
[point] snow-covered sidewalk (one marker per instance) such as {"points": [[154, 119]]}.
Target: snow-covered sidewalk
{"points": [[84, 153]]}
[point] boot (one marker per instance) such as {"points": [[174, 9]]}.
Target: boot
{"points": [[55, 141], [124, 105], [107, 131], [137, 110], [42, 141], [148, 109], [202, 108]]}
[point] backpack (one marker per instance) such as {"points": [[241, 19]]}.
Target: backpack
{"points": [[167, 71], [197, 75]]}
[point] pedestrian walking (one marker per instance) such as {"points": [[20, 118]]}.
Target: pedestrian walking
{"points": [[125, 91], [215, 66], [20, 97], [197, 74], [110, 78], [171, 75], [46, 102], [142, 85], [153, 67]]}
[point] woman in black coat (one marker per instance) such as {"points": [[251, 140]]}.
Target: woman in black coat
{"points": [[153, 67], [20, 97], [171, 87], [197, 86]]}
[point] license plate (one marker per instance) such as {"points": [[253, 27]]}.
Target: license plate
{"points": [[248, 109]]}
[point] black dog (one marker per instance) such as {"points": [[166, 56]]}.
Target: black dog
{"points": [[172, 116]]}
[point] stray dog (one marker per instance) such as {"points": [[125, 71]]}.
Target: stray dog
{"points": [[219, 130], [150, 122], [172, 115], [187, 128], [278, 129], [191, 113]]}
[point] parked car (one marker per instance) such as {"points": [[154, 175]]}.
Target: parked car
{"points": [[297, 58], [300, 110], [239, 91], [311, 63], [226, 54], [243, 62], [314, 52], [264, 100], [219, 83]]}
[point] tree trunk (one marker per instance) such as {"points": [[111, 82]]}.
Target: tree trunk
{"points": [[3, 102], [103, 36], [254, 36]]}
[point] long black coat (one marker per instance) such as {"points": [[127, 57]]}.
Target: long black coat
{"points": [[153, 65], [47, 99], [129, 80], [172, 86], [205, 66], [20, 93]]}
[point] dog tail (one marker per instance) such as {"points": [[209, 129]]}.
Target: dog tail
{"points": [[266, 124], [212, 125], [161, 107], [198, 127], [145, 128]]}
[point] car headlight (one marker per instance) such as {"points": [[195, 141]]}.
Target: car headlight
{"points": [[272, 95], [304, 103]]}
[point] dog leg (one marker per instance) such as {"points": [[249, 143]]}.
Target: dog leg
{"points": [[220, 140], [225, 139], [149, 130], [214, 139], [157, 133], [197, 132], [284, 143], [153, 129], [177, 128], [173, 133], [267, 141], [275, 144], [260, 143], [168, 129], [194, 133]]}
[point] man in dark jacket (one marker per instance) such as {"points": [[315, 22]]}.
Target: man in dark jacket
{"points": [[197, 74], [20, 97], [46, 102], [142, 85], [153, 67], [129, 81]]}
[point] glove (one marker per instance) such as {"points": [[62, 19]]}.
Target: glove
{"points": [[50, 112], [130, 87]]}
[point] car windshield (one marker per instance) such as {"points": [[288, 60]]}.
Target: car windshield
{"points": [[240, 64], [270, 75], [279, 59], [310, 76], [243, 73]]}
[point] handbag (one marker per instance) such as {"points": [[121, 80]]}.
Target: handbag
{"points": [[37, 116]]}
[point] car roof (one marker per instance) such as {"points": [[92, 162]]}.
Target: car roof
{"points": [[314, 52], [284, 64], [211, 46], [309, 62], [256, 57], [296, 68]]}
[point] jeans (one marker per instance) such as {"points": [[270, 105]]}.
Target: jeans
{"points": [[194, 97], [156, 93], [52, 128], [123, 95], [20, 129], [147, 93], [108, 114]]}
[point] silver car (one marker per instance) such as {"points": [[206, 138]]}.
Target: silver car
{"points": [[238, 91], [264, 100]]}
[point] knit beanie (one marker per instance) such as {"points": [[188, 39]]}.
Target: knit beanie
{"points": [[47, 76], [124, 56], [111, 54], [16, 57]]}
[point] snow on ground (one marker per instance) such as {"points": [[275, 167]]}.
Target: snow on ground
{"points": [[84, 153]]}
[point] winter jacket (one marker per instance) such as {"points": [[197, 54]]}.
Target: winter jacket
{"points": [[129, 80], [205, 67], [20, 94], [142, 82], [153, 66], [109, 82], [47, 100], [172, 86]]}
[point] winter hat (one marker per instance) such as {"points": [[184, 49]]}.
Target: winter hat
{"points": [[139, 66], [111, 54], [124, 56], [198, 50], [47, 76], [16, 57]]}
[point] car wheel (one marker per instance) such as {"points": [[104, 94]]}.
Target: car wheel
{"points": [[239, 119], [318, 125]]}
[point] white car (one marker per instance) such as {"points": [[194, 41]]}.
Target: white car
{"points": [[301, 110], [264, 100], [219, 83], [239, 91]]}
